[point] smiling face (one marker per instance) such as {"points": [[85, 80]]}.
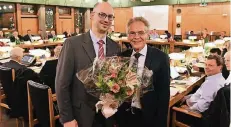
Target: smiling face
{"points": [[137, 35], [102, 17], [211, 67]]}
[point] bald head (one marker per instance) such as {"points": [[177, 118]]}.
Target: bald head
{"points": [[102, 17], [98, 6], [16, 54], [227, 60]]}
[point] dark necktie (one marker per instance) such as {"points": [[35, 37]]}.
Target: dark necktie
{"points": [[137, 55], [101, 49]]}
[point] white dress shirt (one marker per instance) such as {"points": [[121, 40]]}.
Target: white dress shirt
{"points": [[228, 80], [95, 41], [141, 65], [201, 100]]}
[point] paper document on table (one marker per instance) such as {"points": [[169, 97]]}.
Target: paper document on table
{"points": [[173, 91]]}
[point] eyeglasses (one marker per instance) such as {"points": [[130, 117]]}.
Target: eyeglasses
{"points": [[140, 33], [104, 16]]}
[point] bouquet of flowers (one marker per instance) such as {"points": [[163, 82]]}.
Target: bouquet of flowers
{"points": [[114, 80]]}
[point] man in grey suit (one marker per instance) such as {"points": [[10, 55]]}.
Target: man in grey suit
{"points": [[76, 107]]}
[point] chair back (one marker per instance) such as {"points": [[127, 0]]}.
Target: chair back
{"points": [[48, 73], [7, 76], [38, 97]]}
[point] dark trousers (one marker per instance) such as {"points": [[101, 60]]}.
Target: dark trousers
{"points": [[101, 121], [128, 116]]}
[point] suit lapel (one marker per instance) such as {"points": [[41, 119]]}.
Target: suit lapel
{"points": [[148, 57], [88, 46]]}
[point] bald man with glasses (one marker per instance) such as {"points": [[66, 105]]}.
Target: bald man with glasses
{"points": [[77, 108]]}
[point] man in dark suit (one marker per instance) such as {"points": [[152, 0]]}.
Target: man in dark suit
{"points": [[28, 36], [15, 37], [16, 55], [76, 107], [152, 109]]}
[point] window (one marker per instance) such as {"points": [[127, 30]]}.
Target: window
{"points": [[64, 11], [28, 9], [7, 16], [49, 17]]}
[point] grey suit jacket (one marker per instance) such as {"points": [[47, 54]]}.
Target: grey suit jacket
{"points": [[73, 101]]}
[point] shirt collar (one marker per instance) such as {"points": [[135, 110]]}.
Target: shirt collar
{"points": [[143, 52], [95, 39], [228, 80], [214, 76]]}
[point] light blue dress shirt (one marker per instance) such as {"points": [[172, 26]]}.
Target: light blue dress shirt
{"points": [[95, 41], [201, 100]]}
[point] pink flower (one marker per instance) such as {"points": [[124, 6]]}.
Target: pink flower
{"points": [[113, 75], [130, 91], [115, 88]]}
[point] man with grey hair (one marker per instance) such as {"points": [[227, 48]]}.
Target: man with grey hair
{"points": [[16, 55], [76, 106], [151, 110]]}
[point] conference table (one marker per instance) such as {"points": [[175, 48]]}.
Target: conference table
{"points": [[185, 90], [171, 45]]}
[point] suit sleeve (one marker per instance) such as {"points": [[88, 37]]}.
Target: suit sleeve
{"points": [[163, 92], [64, 75]]}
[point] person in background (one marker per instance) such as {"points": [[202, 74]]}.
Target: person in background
{"points": [[214, 51], [40, 33], [52, 35], [222, 35], [28, 37], [191, 34], [205, 35], [201, 99], [168, 34], [76, 33], [67, 33], [226, 47], [16, 55], [154, 34], [2, 34], [227, 64], [57, 51], [15, 37]]}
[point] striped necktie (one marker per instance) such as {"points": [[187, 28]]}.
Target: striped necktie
{"points": [[101, 49]]}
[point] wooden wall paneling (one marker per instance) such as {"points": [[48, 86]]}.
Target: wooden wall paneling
{"points": [[65, 24], [170, 19], [18, 15], [29, 23], [57, 23], [122, 15], [197, 18], [87, 24], [42, 18], [73, 20]]}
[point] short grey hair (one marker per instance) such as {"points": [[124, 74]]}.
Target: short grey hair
{"points": [[16, 52], [138, 19]]}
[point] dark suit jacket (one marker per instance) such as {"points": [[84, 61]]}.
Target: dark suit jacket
{"points": [[12, 38], [218, 114], [14, 65], [155, 103], [73, 101], [27, 38]]}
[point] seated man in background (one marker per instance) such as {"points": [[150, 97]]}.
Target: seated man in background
{"points": [[16, 55], [76, 31], [154, 34], [67, 33], [28, 36], [201, 100], [222, 35], [214, 51], [57, 51], [15, 37], [52, 35]]}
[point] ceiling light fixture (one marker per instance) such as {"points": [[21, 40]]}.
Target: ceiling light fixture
{"points": [[4, 7], [10, 7]]}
